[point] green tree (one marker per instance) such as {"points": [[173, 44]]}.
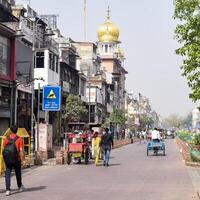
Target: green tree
{"points": [[187, 33], [74, 108], [118, 117], [173, 121], [145, 121], [187, 121]]}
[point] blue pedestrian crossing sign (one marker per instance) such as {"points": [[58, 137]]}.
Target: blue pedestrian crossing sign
{"points": [[51, 98]]}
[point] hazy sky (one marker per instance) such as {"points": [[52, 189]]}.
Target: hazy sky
{"points": [[146, 32]]}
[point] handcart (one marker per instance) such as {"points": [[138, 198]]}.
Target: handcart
{"points": [[77, 148], [156, 146]]}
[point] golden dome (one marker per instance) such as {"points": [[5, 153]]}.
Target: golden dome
{"points": [[108, 32]]}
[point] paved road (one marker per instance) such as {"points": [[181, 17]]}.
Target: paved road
{"points": [[131, 176]]}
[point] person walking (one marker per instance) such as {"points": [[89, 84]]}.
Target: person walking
{"points": [[13, 157], [96, 147], [106, 145]]}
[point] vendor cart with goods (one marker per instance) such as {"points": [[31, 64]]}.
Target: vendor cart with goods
{"points": [[78, 147]]}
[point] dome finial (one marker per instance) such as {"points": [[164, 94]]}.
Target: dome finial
{"points": [[108, 13]]}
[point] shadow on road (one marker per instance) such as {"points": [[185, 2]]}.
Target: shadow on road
{"points": [[110, 165], [31, 189], [157, 155], [114, 164]]}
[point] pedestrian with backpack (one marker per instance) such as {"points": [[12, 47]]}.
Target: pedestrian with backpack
{"points": [[13, 157]]}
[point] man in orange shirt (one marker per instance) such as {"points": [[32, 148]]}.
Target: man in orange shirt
{"points": [[13, 156]]}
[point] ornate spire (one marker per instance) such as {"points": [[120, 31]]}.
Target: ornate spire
{"points": [[108, 13]]}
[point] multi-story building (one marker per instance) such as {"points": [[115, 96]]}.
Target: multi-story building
{"points": [[24, 70], [71, 80], [196, 118], [37, 58], [7, 65], [89, 65]]}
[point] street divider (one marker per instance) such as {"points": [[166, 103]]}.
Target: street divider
{"points": [[184, 149]]}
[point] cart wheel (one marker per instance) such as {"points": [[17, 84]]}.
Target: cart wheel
{"points": [[163, 152], [87, 156], [69, 158], [79, 160], [147, 152]]}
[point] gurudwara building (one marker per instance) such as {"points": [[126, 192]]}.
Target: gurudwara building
{"points": [[112, 63]]}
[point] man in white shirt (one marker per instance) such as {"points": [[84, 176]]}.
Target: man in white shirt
{"points": [[156, 138], [155, 135]]}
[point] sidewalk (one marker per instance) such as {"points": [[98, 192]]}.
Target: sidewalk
{"points": [[194, 173]]}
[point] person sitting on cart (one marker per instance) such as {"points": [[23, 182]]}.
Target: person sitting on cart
{"points": [[155, 135], [155, 138]]}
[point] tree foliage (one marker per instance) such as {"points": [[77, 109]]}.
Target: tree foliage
{"points": [[145, 121], [187, 33], [74, 108], [173, 121], [118, 117], [176, 121], [187, 121]]}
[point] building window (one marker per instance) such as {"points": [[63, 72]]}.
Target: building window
{"points": [[4, 56], [39, 60], [51, 62], [106, 48], [56, 60], [110, 48]]}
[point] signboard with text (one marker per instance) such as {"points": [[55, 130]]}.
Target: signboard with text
{"points": [[51, 98]]}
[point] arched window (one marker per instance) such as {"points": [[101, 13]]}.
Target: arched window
{"points": [[106, 48], [110, 48]]}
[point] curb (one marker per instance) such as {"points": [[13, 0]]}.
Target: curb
{"points": [[124, 142], [192, 164], [185, 157]]}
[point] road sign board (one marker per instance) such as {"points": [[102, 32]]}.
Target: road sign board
{"points": [[51, 98]]}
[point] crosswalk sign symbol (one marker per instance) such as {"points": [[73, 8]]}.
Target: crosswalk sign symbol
{"points": [[51, 95]]}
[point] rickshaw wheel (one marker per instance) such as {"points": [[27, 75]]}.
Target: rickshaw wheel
{"points": [[79, 160], [163, 152], [87, 156], [69, 158], [147, 152]]}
